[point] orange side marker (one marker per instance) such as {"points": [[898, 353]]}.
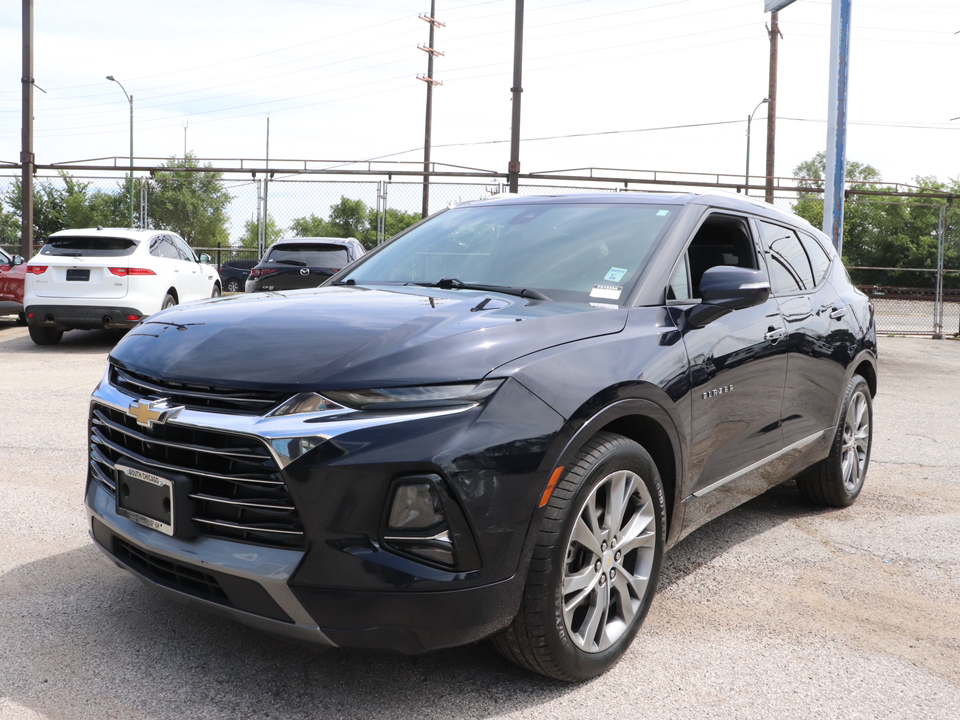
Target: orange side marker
{"points": [[554, 479]]}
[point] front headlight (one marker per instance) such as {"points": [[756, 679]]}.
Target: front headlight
{"points": [[421, 396]]}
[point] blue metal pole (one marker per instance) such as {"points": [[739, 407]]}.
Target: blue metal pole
{"points": [[835, 170]]}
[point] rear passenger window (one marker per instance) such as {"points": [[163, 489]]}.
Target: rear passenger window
{"points": [[819, 259], [787, 261]]}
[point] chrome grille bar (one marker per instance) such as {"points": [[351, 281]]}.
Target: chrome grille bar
{"points": [[97, 437], [99, 419], [241, 503], [246, 528]]}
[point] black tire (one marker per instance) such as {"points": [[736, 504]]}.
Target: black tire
{"points": [[557, 639], [233, 285], [44, 335], [216, 291], [168, 302], [21, 318], [837, 480]]}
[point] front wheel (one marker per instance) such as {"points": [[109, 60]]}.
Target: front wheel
{"points": [[216, 291], [233, 285], [595, 566], [837, 480], [44, 335]]}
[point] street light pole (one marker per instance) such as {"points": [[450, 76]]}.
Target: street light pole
{"points": [[746, 179], [129, 100]]}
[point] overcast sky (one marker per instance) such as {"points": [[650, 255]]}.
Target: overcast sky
{"points": [[338, 81]]}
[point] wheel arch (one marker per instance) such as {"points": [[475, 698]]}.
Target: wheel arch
{"points": [[173, 291], [650, 425]]}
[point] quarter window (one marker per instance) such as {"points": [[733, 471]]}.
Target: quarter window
{"points": [[819, 259]]}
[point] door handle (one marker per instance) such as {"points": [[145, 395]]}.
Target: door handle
{"points": [[837, 313], [774, 334]]}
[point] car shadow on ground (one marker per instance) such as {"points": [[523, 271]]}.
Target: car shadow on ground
{"points": [[81, 633], [73, 342]]}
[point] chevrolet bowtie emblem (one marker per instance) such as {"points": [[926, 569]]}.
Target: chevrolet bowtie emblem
{"points": [[148, 413]]}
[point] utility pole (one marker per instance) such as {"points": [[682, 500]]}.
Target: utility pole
{"points": [[835, 175], [513, 169], [266, 189], [185, 126], [428, 79], [775, 35], [26, 145]]}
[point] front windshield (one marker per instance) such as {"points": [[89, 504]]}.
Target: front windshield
{"points": [[571, 252]]}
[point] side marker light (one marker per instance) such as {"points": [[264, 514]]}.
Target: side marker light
{"points": [[554, 479]]}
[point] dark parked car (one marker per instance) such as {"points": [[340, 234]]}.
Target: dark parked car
{"points": [[12, 272], [492, 426], [234, 274], [302, 262]]}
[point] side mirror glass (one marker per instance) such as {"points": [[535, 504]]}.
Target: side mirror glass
{"points": [[18, 260], [204, 258]]}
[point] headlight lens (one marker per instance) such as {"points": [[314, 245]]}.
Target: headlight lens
{"points": [[422, 396]]}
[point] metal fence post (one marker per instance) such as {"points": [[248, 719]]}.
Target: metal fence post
{"points": [[144, 203], [938, 299]]}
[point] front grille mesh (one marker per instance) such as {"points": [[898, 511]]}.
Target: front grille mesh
{"points": [[239, 491], [198, 397], [171, 573]]}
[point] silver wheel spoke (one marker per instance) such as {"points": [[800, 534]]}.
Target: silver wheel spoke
{"points": [[583, 536], [584, 579], [621, 487], [622, 588]]}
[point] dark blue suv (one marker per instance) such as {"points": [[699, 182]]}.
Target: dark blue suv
{"points": [[492, 426]]}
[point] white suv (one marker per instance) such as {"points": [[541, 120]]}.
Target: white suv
{"points": [[110, 278]]}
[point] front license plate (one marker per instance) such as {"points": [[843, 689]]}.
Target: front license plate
{"points": [[79, 275], [145, 498]]}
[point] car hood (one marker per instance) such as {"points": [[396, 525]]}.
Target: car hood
{"points": [[352, 337]]}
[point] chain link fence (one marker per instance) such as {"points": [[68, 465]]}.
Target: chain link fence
{"points": [[915, 292]]}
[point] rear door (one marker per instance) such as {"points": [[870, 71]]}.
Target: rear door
{"points": [[80, 267], [819, 345]]}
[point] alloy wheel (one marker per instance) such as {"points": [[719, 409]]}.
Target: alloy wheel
{"points": [[609, 558], [856, 441]]}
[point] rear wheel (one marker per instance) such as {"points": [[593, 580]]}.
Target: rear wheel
{"points": [[168, 301], [43, 335], [837, 480], [233, 285], [595, 565]]}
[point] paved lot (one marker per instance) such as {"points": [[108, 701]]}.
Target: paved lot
{"points": [[777, 610]]}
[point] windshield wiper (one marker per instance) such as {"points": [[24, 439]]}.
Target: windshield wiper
{"points": [[291, 262], [456, 284]]}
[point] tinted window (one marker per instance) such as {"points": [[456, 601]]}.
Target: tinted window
{"points": [[5, 259], [572, 251], [161, 246], [680, 284], [97, 246], [787, 261], [819, 259], [184, 250], [309, 254]]}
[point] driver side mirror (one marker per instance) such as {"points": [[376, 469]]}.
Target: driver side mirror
{"points": [[204, 258], [723, 289], [18, 260]]}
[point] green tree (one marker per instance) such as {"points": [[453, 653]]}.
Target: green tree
{"points": [[352, 218], [192, 204], [9, 228], [250, 233], [311, 226]]}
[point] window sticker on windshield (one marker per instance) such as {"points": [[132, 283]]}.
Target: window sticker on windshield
{"points": [[661, 213], [610, 292], [605, 306], [615, 275]]}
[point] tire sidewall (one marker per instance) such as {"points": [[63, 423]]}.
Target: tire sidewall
{"points": [[626, 455]]}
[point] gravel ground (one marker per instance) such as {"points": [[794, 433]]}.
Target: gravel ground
{"points": [[776, 610]]}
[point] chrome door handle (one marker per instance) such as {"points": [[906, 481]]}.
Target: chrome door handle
{"points": [[837, 313], [774, 335]]}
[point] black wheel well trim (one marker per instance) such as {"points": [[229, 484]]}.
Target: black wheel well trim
{"points": [[646, 423], [865, 365], [173, 291]]}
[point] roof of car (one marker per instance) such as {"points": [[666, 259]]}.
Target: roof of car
{"points": [[328, 240], [131, 233]]}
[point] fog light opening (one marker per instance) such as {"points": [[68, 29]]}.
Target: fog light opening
{"points": [[417, 525]]}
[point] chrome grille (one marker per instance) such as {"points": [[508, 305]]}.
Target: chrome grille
{"points": [[198, 397], [238, 488]]}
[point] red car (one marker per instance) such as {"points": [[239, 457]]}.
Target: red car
{"points": [[12, 271]]}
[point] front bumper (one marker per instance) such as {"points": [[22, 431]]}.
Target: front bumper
{"points": [[82, 317], [342, 587]]}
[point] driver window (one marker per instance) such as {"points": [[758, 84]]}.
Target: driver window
{"points": [[721, 240]]}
